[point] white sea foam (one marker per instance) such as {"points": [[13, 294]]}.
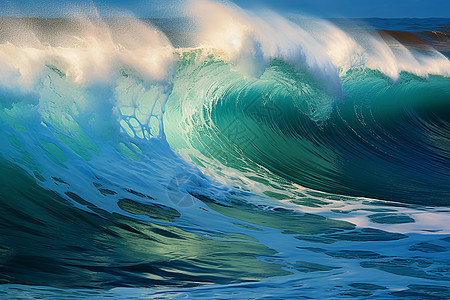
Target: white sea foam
{"points": [[252, 40], [93, 55], [360, 48]]}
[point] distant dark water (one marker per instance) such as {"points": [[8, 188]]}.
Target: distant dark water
{"points": [[402, 24]]}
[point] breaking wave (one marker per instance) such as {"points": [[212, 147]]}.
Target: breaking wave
{"points": [[119, 145]]}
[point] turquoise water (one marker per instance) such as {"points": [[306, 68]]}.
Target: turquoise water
{"points": [[224, 161]]}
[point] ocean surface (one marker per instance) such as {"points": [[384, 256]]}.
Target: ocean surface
{"points": [[231, 154]]}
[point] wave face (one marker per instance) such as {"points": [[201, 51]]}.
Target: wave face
{"points": [[383, 140], [233, 151]]}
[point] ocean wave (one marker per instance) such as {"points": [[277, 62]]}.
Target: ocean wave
{"points": [[322, 102], [252, 138]]}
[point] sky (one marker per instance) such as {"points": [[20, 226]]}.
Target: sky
{"points": [[170, 8]]}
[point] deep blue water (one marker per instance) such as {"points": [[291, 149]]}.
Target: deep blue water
{"points": [[404, 24]]}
